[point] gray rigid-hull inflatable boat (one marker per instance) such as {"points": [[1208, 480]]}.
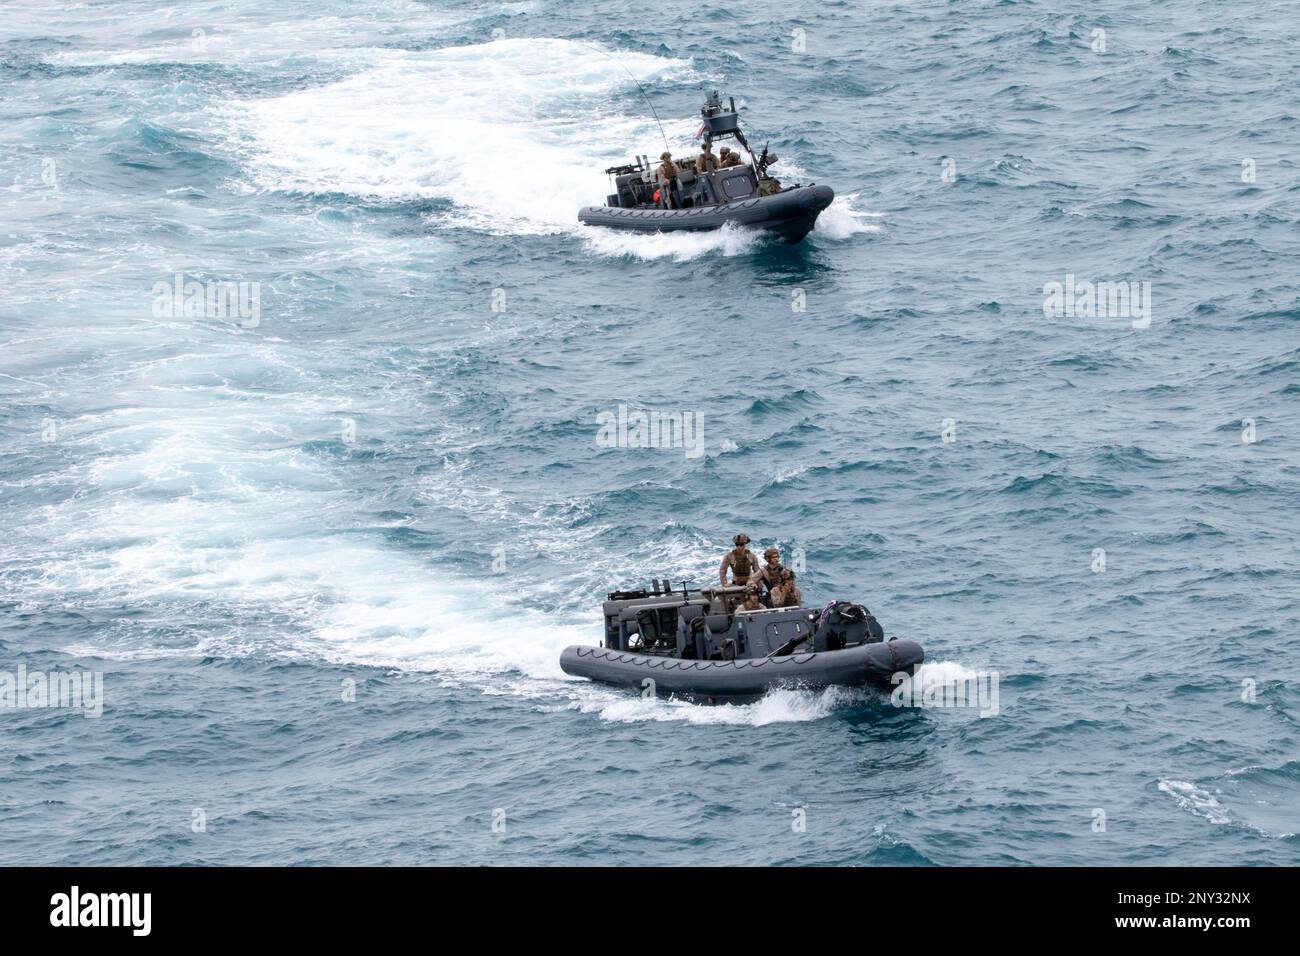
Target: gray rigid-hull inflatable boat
{"points": [[700, 645], [790, 214], [696, 200]]}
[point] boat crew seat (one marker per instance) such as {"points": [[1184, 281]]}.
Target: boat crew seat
{"points": [[686, 617], [711, 634], [686, 188]]}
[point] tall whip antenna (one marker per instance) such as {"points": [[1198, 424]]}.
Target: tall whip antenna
{"points": [[641, 88]]}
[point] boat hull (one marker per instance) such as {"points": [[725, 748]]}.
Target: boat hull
{"points": [[744, 680], [790, 214]]}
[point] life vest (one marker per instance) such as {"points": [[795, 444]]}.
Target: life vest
{"points": [[740, 566], [656, 195], [772, 578]]}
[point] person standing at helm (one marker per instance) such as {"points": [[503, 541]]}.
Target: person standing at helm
{"points": [[742, 562], [667, 179], [769, 575], [727, 159], [706, 163]]}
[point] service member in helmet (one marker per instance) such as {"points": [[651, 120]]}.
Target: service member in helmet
{"points": [[742, 562], [787, 593], [769, 575], [667, 179], [727, 159], [751, 602], [706, 162]]}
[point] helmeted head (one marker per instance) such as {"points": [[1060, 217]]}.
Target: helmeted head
{"points": [[725, 151], [665, 155], [772, 553], [740, 540], [788, 577]]}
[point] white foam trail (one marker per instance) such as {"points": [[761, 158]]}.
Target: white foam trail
{"points": [[221, 522], [1196, 800], [841, 220], [514, 132], [216, 516], [334, 600], [780, 706], [935, 675], [679, 246], [399, 613], [243, 36]]}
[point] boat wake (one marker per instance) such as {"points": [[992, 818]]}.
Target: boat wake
{"points": [[1259, 799], [777, 707], [508, 138]]}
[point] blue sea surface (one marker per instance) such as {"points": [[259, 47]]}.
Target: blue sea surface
{"points": [[326, 552]]}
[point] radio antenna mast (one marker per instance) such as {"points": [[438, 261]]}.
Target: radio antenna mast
{"points": [[639, 87]]}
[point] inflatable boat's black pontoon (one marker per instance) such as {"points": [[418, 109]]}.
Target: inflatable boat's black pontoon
{"points": [[709, 199], [700, 645]]}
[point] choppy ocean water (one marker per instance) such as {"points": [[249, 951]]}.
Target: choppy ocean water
{"points": [[389, 479]]}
